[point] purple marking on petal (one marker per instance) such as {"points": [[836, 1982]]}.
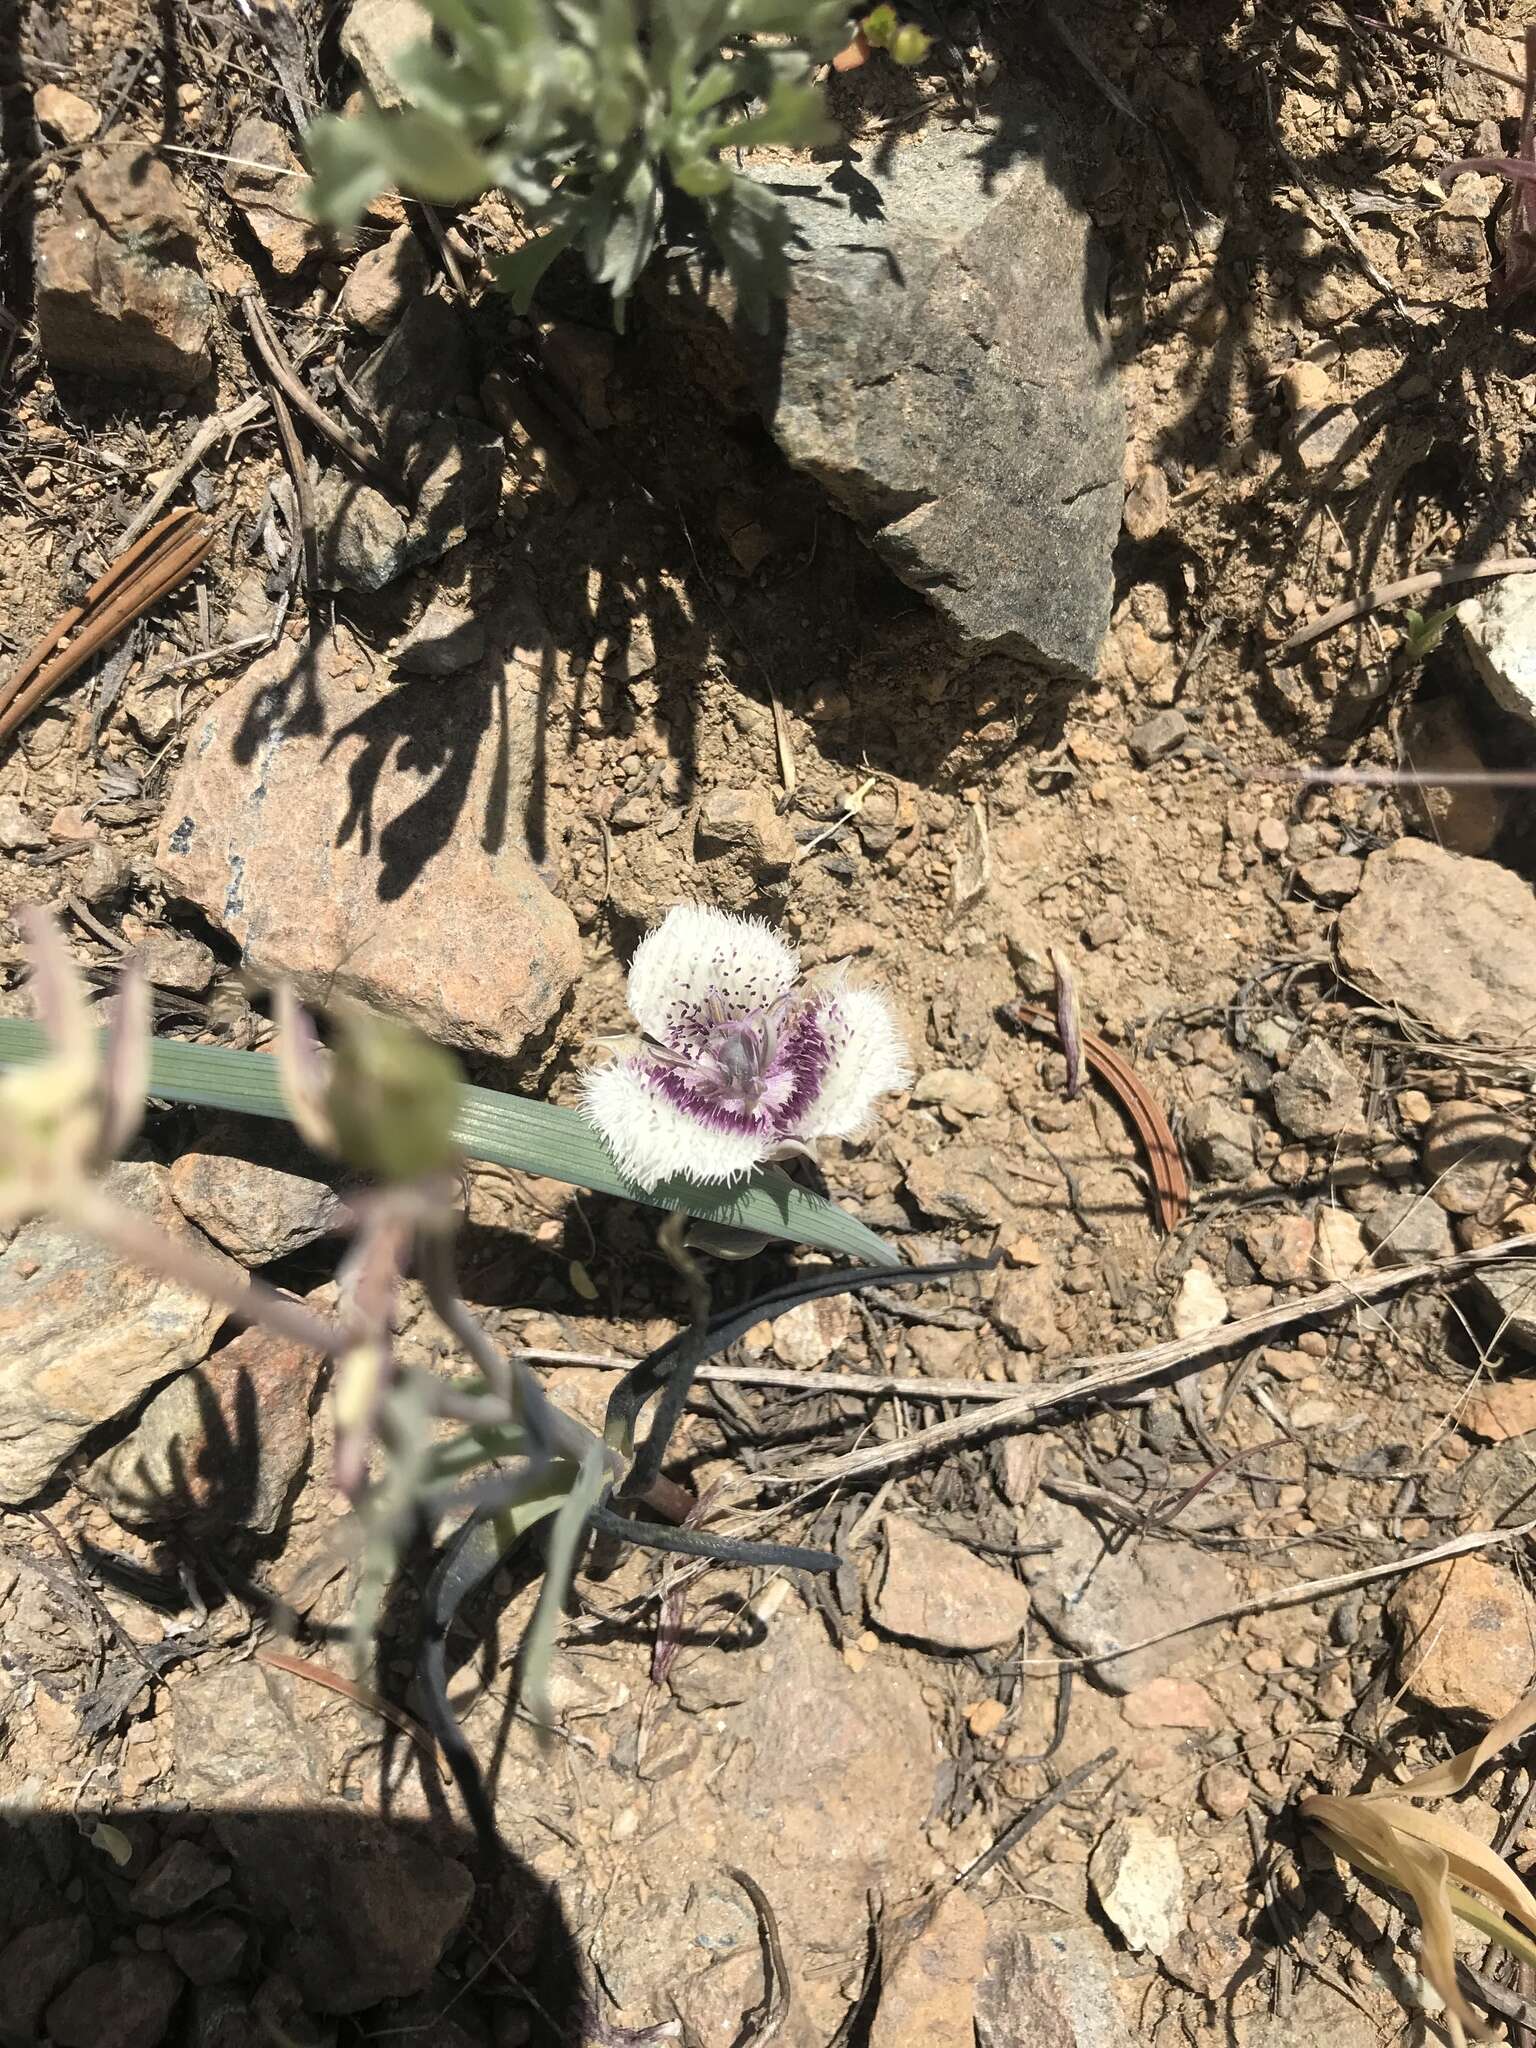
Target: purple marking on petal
{"points": [[750, 1075]]}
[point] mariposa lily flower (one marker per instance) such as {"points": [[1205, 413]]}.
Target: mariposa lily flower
{"points": [[738, 1061]]}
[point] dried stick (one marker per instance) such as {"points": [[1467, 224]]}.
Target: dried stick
{"points": [[304, 497], [282, 373], [1299, 1595], [1410, 586], [1135, 1368], [235, 421], [136, 581]]}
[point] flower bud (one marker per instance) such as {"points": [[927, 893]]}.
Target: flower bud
{"points": [[393, 1098]]}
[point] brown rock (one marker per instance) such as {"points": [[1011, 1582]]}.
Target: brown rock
{"points": [[253, 1207], [1503, 1410], [1146, 504], [209, 1950], [952, 1184], [1464, 1637], [745, 821], [1464, 817], [927, 1992], [220, 1447], [382, 281], [272, 200], [65, 114], [369, 1909], [1331, 878], [1024, 1307], [1282, 1247], [400, 874], [119, 291], [1469, 1149], [179, 1876], [1225, 1791], [35, 1965], [1448, 940], [83, 1334], [125, 2002], [935, 1591], [1170, 1703], [375, 33]]}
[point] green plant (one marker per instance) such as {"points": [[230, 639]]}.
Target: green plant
{"points": [[1423, 632], [416, 1449], [586, 113]]}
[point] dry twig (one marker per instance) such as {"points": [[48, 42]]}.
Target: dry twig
{"points": [[137, 580], [1115, 1376], [1410, 586]]}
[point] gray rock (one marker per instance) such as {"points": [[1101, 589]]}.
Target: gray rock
{"points": [[1095, 1599], [125, 2002], [935, 1591], [417, 385], [1158, 736], [119, 291], [35, 1965], [240, 1187], [1056, 1988], [425, 365], [1448, 940], [445, 639], [361, 535], [1507, 1294], [1220, 1139], [237, 1742], [454, 475], [177, 1879], [19, 831], [220, 1448], [943, 372], [1318, 1096], [400, 873], [1499, 629], [1139, 1881], [1318, 439], [375, 33], [83, 1334], [1406, 1228]]}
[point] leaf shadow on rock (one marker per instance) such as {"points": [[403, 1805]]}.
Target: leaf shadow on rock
{"points": [[314, 1918]]}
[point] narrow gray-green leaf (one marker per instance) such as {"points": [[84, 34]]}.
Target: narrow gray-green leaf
{"points": [[508, 1130]]}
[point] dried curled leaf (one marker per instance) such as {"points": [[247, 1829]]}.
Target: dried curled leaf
{"points": [[1447, 1871]]}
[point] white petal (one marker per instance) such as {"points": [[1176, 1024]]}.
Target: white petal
{"points": [[651, 1140], [695, 950], [868, 1058]]}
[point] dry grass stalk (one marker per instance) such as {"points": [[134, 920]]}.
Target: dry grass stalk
{"points": [[1448, 1873]]}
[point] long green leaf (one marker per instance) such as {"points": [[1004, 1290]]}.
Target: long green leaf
{"points": [[507, 1130]]}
